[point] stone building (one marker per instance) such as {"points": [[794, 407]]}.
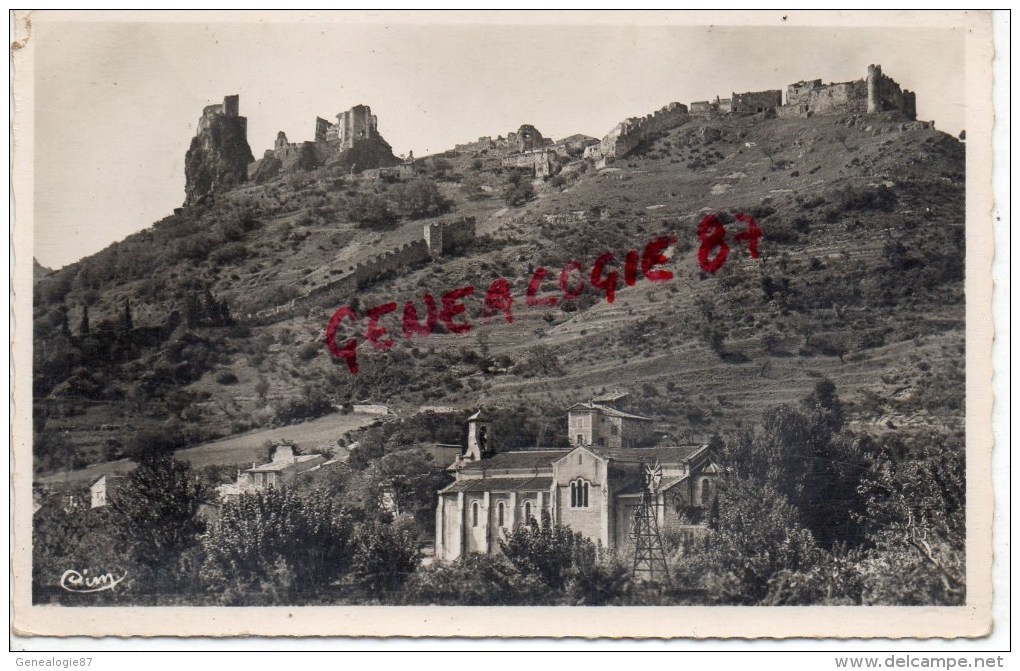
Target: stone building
{"points": [[601, 425], [593, 490], [104, 490]]}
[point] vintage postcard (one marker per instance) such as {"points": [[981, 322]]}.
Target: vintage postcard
{"points": [[647, 324]]}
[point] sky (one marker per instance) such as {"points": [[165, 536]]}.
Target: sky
{"points": [[117, 103]]}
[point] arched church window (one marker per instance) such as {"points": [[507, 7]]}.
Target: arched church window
{"points": [[579, 494], [499, 514], [527, 512], [706, 491], [474, 514]]}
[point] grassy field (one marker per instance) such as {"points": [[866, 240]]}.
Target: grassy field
{"points": [[239, 450]]}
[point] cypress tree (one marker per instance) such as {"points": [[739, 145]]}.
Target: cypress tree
{"points": [[128, 321], [83, 328]]}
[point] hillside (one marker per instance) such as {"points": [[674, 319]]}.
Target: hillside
{"points": [[860, 280]]}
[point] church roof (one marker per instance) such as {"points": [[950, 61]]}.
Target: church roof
{"points": [[532, 484], [606, 410], [649, 454], [520, 459], [635, 485]]}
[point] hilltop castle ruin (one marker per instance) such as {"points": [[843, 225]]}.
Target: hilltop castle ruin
{"points": [[220, 157], [873, 94]]}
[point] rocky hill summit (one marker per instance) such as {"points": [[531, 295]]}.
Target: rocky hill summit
{"points": [[219, 154]]}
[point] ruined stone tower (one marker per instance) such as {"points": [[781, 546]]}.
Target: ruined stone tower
{"points": [[355, 125], [219, 154], [874, 75]]}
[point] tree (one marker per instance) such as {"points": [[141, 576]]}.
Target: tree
{"points": [[421, 198], [277, 540], [83, 327], [597, 578], [385, 555], [127, 323], [916, 493], [518, 189], [413, 477], [759, 536], [812, 461], [546, 551], [159, 506]]}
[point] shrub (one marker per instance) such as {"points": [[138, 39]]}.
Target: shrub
{"points": [[865, 198], [421, 198], [308, 351], [515, 195], [304, 407], [370, 210], [474, 580], [227, 377]]}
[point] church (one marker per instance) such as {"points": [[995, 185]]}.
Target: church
{"points": [[594, 487]]}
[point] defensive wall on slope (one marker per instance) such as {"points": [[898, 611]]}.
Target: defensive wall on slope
{"points": [[437, 238], [629, 133]]}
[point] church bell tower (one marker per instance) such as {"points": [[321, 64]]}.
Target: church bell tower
{"points": [[479, 441]]}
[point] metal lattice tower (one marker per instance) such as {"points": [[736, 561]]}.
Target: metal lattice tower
{"points": [[649, 555]]}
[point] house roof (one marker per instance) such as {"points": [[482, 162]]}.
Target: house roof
{"points": [[611, 397], [277, 466], [532, 484], [110, 478], [606, 410], [519, 459]]}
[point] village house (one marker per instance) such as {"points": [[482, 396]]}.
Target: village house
{"points": [[602, 423], [282, 469], [105, 489], [593, 489]]}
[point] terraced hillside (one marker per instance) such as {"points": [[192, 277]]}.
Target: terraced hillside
{"points": [[860, 279]]}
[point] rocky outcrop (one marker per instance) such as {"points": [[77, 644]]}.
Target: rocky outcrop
{"points": [[219, 154]]}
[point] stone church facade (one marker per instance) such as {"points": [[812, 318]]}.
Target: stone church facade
{"points": [[594, 490]]}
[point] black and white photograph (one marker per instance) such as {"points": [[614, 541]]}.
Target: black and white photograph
{"points": [[334, 311]]}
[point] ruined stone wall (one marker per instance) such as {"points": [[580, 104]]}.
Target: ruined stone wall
{"points": [[871, 95], [357, 123], [539, 161], [407, 255], [754, 102], [443, 236], [809, 98], [482, 144], [628, 134], [700, 107], [323, 129]]}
